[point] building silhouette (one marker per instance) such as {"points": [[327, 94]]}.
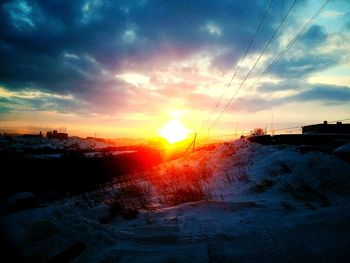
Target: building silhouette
{"points": [[56, 135], [326, 128]]}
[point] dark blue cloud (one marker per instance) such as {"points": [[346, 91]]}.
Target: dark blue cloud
{"points": [[36, 34], [324, 94], [76, 47], [6, 106], [280, 86], [329, 94], [315, 35], [307, 61], [300, 67]]}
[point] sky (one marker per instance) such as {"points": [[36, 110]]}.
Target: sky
{"points": [[125, 68]]}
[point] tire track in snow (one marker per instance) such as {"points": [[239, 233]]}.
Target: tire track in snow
{"points": [[195, 235], [193, 229], [197, 251], [272, 241]]}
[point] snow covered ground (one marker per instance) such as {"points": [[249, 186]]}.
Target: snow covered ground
{"points": [[269, 204], [72, 143]]}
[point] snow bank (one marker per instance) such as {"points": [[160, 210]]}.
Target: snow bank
{"points": [[343, 152], [72, 143], [272, 204]]}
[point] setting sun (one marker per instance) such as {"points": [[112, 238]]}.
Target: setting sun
{"points": [[174, 131]]}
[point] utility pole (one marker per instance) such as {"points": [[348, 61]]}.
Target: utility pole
{"points": [[236, 131], [194, 141], [192, 144], [272, 133]]}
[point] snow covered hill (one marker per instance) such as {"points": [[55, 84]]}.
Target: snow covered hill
{"points": [[72, 143], [261, 204]]}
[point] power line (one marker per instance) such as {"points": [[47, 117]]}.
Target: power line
{"points": [[298, 127], [277, 59], [255, 63], [248, 133], [228, 135], [290, 44], [288, 128], [280, 129], [339, 120], [240, 62]]}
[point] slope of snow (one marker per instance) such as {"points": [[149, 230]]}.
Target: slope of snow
{"points": [[72, 143], [271, 204]]}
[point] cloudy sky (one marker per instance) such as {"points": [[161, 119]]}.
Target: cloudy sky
{"points": [[124, 68]]}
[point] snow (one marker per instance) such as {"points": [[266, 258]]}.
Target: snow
{"points": [[271, 204], [16, 199], [343, 152], [90, 147], [100, 154], [72, 143], [343, 149]]}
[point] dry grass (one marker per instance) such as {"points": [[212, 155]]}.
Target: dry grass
{"points": [[175, 185], [238, 174], [166, 186], [128, 197]]}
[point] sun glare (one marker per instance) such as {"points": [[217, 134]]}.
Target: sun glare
{"points": [[174, 131]]}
